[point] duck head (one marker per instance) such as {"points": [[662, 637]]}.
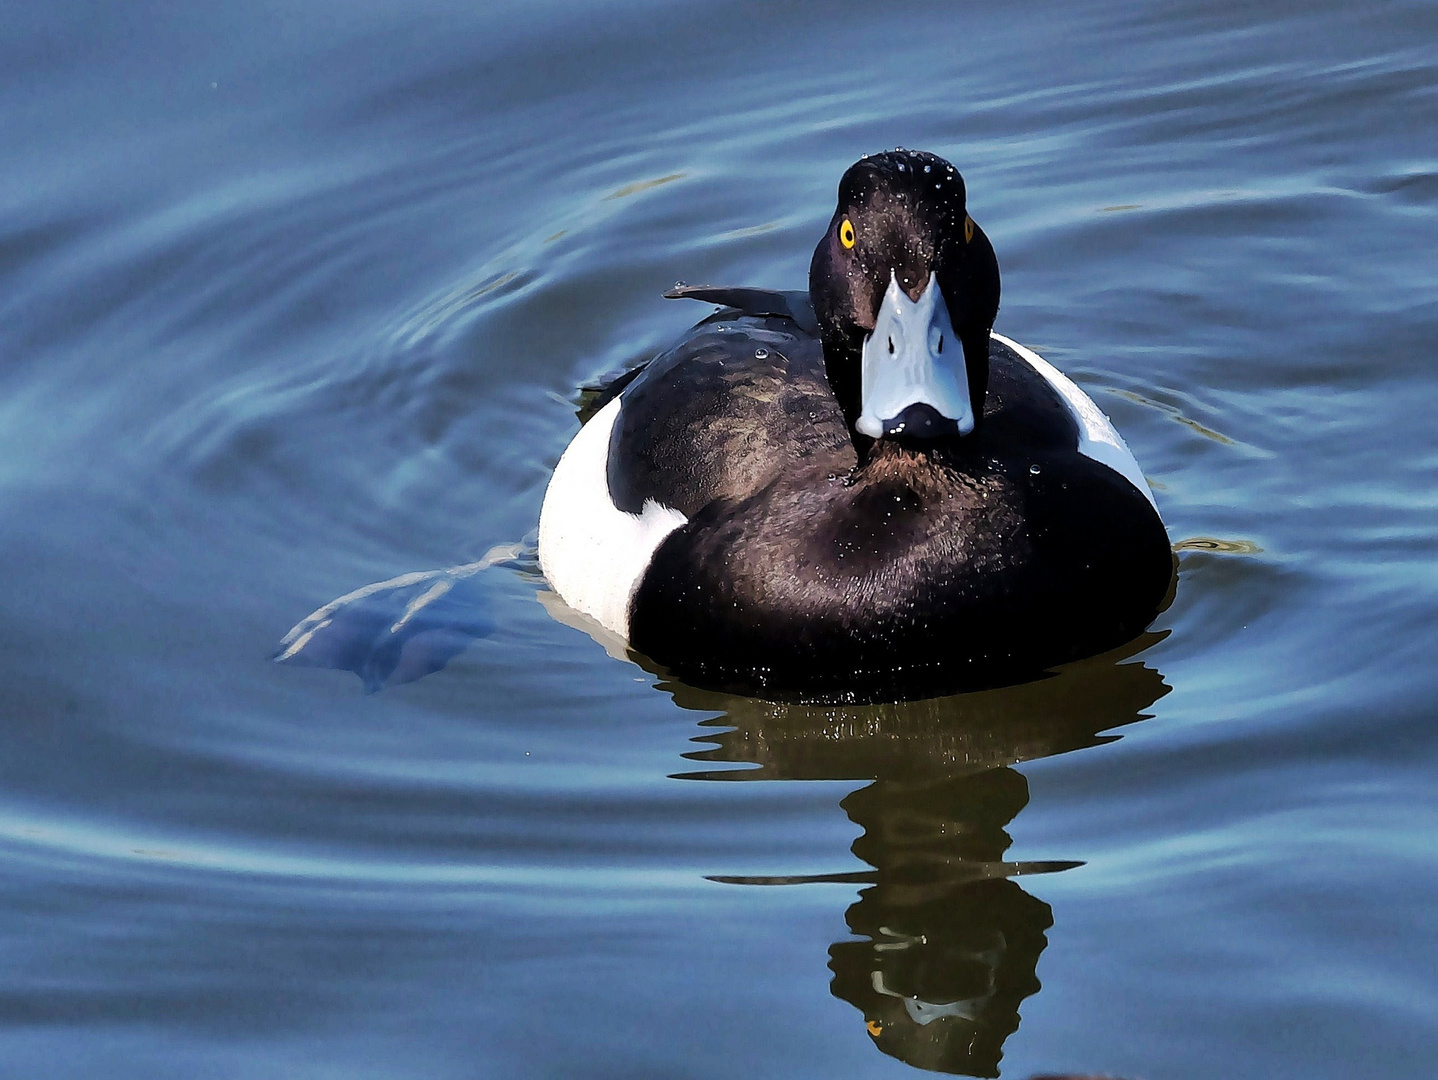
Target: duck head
{"points": [[905, 287]]}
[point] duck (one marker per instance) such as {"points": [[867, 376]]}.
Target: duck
{"points": [[857, 491]]}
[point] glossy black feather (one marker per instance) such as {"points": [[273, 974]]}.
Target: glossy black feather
{"points": [[932, 569], [741, 397]]}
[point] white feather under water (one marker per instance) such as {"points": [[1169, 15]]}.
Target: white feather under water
{"points": [[398, 630]]}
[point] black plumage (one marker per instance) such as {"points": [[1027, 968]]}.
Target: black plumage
{"points": [[819, 562]]}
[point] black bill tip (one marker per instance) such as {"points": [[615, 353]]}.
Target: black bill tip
{"points": [[920, 421]]}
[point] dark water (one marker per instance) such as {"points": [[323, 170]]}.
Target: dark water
{"points": [[295, 297]]}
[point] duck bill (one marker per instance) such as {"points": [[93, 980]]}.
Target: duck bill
{"points": [[913, 379]]}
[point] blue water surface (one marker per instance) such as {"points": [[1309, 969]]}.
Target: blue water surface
{"points": [[300, 296]]}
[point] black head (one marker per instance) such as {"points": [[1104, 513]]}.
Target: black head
{"points": [[901, 216]]}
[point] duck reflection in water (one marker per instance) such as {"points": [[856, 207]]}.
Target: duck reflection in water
{"points": [[948, 943]]}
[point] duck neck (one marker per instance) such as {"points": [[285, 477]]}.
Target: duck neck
{"points": [[919, 466]]}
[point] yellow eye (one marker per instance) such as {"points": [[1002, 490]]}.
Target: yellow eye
{"points": [[846, 234], [968, 229], [875, 1027]]}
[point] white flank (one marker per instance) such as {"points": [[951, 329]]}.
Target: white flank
{"points": [[1098, 440], [592, 553]]}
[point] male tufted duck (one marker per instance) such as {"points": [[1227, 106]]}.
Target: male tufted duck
{"points": [[858, 491]]}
